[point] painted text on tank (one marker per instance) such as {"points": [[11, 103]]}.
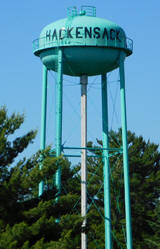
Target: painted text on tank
{"points": [[84, 32]]}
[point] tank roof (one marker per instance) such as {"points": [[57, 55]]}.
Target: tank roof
{"points": [[82, 30], [90, 44]]}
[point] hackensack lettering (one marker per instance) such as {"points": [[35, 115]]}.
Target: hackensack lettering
{"points": [[84, 32]]}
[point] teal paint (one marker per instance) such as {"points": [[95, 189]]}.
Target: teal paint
{"points": [[81, 30], [79, 60], [80, 156], [91, 45], [43, 123], [125, 152], [90, 148], [59, 89], [106, 167]]}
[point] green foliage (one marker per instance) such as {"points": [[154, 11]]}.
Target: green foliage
{"points": [[144, 161], [30, 222], [26, 220]]}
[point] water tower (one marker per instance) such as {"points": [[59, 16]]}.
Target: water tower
{"points": [[83, 45]]}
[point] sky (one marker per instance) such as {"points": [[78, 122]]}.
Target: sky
{"points": [[21, 72]]}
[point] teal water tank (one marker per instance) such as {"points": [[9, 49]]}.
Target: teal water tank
{"points": [[91, 45]]}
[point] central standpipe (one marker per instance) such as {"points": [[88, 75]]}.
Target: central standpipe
{"points": [[106, 166], [84, 81]]}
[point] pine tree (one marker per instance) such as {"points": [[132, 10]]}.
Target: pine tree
{"points": [[26, 220], [30, 222], [144, 161]]}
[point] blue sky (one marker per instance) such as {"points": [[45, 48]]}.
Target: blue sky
{"points": [[21, 75]]}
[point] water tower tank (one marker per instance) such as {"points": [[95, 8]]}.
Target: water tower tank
{"points": [[91, 45]]}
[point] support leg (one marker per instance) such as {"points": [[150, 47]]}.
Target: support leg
{"points": [[106, 167], [84, 81], [59, 118], [43, 122], [125, 152]]}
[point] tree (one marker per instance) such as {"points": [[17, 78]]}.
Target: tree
{"points": [[144, 161], [30, 222], [27, 221]]}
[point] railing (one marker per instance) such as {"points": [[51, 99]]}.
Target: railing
{"points": [[85, 10], [129, 44], [89, 10], [72, 11], [44, 43]]}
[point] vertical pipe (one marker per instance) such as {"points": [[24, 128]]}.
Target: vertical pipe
{"points": [[84, 81], [106, 167], [59, 90], [43, 123], [125, 152]]}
